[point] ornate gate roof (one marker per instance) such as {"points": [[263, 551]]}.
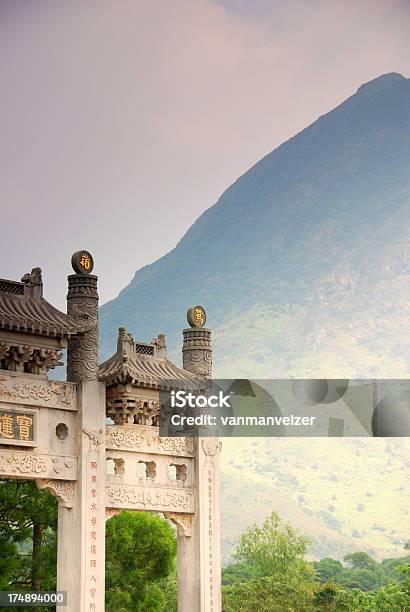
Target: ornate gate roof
{"points": [[32, 331], [141, 364], [23, 309]]}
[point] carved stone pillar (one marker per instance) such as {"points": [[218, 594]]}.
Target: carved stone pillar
{"points": [[81, 511], [199, 557], [207, 473], [82, 306], [196, 347], [198, 536]]}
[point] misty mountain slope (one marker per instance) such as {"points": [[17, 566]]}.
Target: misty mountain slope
{"points": [[304, 260], [303, 265], [346, 494]]}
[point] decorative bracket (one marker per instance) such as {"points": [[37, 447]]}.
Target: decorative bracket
{"points": [[95, 439], [182, 521], [211, 448], [110, 512], [63, 490]]}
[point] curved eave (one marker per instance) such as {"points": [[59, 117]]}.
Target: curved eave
{"points": [[147, 371], [34, 316]]}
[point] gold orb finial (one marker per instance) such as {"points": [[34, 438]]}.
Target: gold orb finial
{"points": [[82, 262], [196, 316]]}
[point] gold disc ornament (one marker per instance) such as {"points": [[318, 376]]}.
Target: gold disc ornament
{"points": [[82, 262], [196, 316]]}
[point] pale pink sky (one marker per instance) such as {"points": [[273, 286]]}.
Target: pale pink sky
{"points": [[122, 120]]}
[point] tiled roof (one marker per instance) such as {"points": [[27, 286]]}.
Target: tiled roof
{"points": [[23, 309], [132, 364]]}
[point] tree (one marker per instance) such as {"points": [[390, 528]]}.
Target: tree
{"points": [[28, 523], [273, 549], [391, 568], [237, 572], [325, 597], [327, 568], [269, 594], [168, 588], [363, 572], [140, 550], [363, 579], [360, 560], [405, 577], [9, 560]]}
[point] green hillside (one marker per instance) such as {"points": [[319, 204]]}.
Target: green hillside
{"points": [[346, 494], [303, 265]]}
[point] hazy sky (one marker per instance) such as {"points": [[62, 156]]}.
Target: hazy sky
{"points": [[122, 120]]}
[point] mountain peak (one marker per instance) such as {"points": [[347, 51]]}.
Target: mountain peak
{"points": [[313, 238], [380, 83]]}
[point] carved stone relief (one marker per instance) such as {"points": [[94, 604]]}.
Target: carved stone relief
{"points": [[150, 498], [82, 307], [95, 437], [109, 512], [63, 490], [53, 393], [20, 463], [211, 448], [197, 352], [182, 521], [143, 440]]}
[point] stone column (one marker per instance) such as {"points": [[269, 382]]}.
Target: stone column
{"points": [[198, 549], [81, 528], [199, 557], [197, 351], [82, 307]]}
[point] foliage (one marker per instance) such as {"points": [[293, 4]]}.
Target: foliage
{"points": [[394, 597], [140, 550], [324, 598], [9, 560], [276, 548], [283, 582], [270, 575], [391, 567], [271, 594], [237, 572], [306, 480], [28, 523], [327, 569], [363, 579], [364, 572], [168, 587], [268, 594], [360, 560]]}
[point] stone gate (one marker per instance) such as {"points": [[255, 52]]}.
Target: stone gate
{"points": [[93, 441]]}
